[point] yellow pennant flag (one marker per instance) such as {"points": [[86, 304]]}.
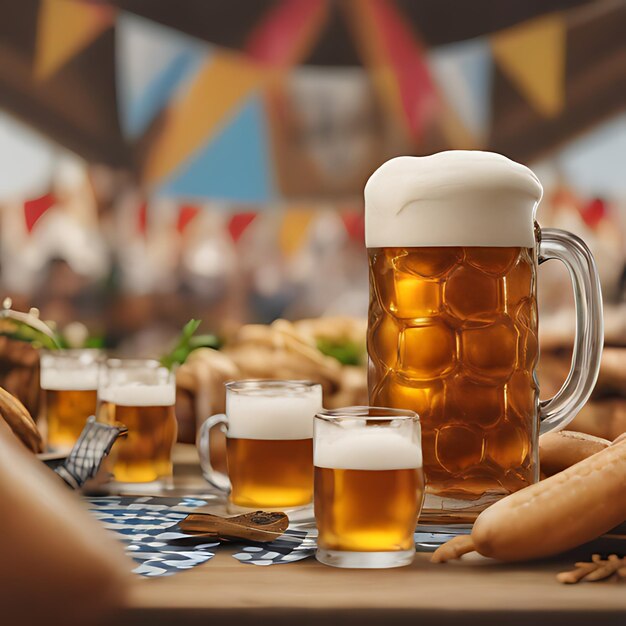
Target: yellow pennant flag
{"points": [[532, 55], [224, 81], [64, 28], [294, 229]]}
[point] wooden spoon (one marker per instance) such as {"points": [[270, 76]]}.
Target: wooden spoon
{"points": [[259, 526]]}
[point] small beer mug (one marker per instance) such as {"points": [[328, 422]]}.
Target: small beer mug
{"points": [[140, 394], [69, 380], [369, 486], [269, 443]]}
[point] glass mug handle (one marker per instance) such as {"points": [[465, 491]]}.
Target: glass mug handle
{"points": [[218, 479], [574, 253]]}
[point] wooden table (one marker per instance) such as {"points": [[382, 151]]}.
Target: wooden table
{"points": [[472, 591]]}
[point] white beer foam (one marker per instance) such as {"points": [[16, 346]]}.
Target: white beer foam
{"points": [[261, 416], [137, 394], [69, 379], [370, 448], [454, 198]]}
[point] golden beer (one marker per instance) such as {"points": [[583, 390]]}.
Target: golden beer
{"points": [[369, 486], [269, 443], [67, 411], [69, 380], [139, 393], [270, 472], [367, 510], [453, 336], [145, 454]]}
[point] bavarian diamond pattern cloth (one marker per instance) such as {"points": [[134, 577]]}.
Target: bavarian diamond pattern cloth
{"points": [[149, 527], [294, 545]]}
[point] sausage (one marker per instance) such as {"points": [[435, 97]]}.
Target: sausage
{"points": [[558, 451], [552, 516]]}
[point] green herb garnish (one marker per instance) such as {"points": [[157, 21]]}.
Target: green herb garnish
{"points": [[187, 343], [347, 353]]}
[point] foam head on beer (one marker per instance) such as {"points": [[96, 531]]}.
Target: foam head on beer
{"points": [[138, 394], [454, 198], [266, 414], [69, 379], [368, 448]]}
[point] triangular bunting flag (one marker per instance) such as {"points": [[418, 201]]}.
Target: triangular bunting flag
{"points": [[532, 55], [397, 61], [202, 111], [186, 214], [152, 61], [34, 209], [354, 222], [142, 219], [294, 229], [64, 28], [238, 224], [287, 32], [594, 212], [463, 72], [233, 165]]}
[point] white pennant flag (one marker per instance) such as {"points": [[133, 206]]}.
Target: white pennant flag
{"points": [[152, 62], [463, 72]]}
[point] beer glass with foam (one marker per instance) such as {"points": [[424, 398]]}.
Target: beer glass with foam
{"points": [[368, 486], [453, 252], [140, 394], [69, 380], [269, 443]]}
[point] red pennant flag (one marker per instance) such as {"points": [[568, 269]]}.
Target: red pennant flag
{"points": [[142, 218], [594, 212], [238, 224], [186, 215], [407, 59], [287, 32], [354, 223], [34, 209], [397, 61]]}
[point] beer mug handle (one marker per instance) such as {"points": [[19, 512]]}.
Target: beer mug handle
{"points": [[217, 479], [558, 411]]}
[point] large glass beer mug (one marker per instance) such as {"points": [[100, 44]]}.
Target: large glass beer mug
{"points": [[453, 252]]}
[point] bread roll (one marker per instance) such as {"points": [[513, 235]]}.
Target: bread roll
{"points": [[58, 563]]}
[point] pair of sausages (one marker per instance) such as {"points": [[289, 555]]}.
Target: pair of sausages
{"points": [[565, 510]]}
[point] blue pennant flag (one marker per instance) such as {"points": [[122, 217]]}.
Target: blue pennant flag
{"points": [[234, 165], [464, 74], [152, 62]]}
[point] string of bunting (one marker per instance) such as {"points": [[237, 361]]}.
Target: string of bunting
{"points": [[162, 72]]}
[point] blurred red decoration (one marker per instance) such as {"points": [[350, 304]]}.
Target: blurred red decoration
{"points": [[593, 212], [186, 215], [287, 32], [238, 223], [142, 218], [407, 58], [34, 209], [354, 223]]}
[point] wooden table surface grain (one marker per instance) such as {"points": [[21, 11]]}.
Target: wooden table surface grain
{"points": [[472, 591]]}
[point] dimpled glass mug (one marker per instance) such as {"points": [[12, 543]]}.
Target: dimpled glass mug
{"points": [[269, 443], [452, 335]]}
